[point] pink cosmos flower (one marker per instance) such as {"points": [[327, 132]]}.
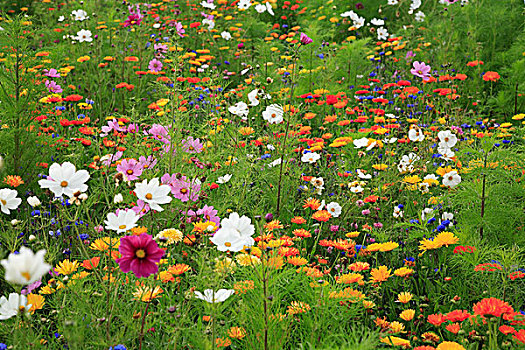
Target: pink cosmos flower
{"points": [[160, 133], [209, 214], [190, 145], [140, 255], [147, 163], [421, 70], [130, 168], [142, 208], [53, 87], [179, 28], [181, 188], [305, 39], [52, 73], [155, 65]]}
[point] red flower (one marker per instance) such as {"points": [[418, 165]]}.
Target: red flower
{"points": [[436, 319], [507, 329], [520, 336], [140, 255], [492, 307], [457, 315], [491, 76]]}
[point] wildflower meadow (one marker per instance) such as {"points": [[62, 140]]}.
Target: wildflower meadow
{"points": [[262, 174]]}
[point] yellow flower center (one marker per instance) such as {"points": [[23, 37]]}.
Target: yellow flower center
{"points": [[141, 254], [130, 172], [26, 275], [121, 227], [64, 183], [228, 244], [184, 190], [3, 201], [149, 196]]}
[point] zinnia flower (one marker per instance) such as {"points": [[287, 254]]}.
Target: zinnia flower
{"points": [[140, 255]]}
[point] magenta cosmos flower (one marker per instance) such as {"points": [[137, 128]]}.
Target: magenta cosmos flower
{"points": [[305, 39], [421, 70], [140, 255], [155, 65]]}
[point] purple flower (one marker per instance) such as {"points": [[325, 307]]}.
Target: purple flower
{"points": [[190, 145], [141, 208], [179, 28], [155, 65], [147, 163], [421, 70], [159, 132], [53, 87], [305, 39], [209, 214], [181, 188]]}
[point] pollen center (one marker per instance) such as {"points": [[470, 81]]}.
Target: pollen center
{"points": [[64, 183], [228, 244], [26, 275], [140, 254], [121, 227], [149, 196], [130, 172], [3, 201]]}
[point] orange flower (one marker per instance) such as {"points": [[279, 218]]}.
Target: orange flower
{"points": [[491, 76], [91, 263], [131, 59], [436, 319], [302, 233], [272, 225], [380, 274], [449, 345], [322, 215], [453, 328], [492, 307], [223, 342], [312, 203], [237, 332], [298, 220], [13, 180]]}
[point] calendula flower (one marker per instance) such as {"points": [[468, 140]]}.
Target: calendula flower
{"points": [[380, 274]]}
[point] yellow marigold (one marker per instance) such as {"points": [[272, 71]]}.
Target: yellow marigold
{"points": [[36, 301], [414, 179], [407, 315], [224, 265], [374, 247], [310, 271], [404, 297], [380, 274], [351, 278], [395, 341], [237, 332], [245, 131], [443, 170], [429, 244], [298, 307], [137, 231], [244, 259], [147, 294], [430, 337], [67, 267], [103, 244], [169, 236], [403, 272], [352, 234], [47, 290], [450, 345], [388, 246], [446, 238], [397, 327]]}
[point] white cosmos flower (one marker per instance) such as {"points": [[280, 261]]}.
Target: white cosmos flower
{"points": [[226, 35], [61, 18], [419, 16], [25, 267], [273, 114], [276, 162], [363, 175], [235, 233], [209, 22], [360, 143], [446, 152], [240, 109], [359, 22], [398, 213], [253, 96], [124, 221], [214, 297], [451, 179], [83, 35], [382, 33], [79, 15], [269, 8], [244, 4], [447, 138], [224, 179], [318, 182], [208, 5], [12, 306], [260, 8], [334, 209], [393, 2], [427, 213], [9, 200], [153, 193], [33, 201], [377, 22], [356, 189], [310, 157], [65, 179], [416, 134]]}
